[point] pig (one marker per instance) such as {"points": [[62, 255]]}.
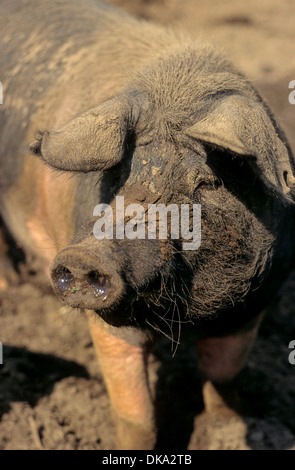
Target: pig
{"points": [[98, 105]]}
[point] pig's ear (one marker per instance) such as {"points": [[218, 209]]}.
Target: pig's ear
{"points": [[242, 126], [93, 141]]}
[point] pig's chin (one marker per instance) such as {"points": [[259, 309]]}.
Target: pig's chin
{"points": [[139, 314], [124, 313], [117, 319]]}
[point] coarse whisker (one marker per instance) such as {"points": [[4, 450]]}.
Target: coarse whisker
{"points": [[179, 331], [177, 321], [157, 301], [156, 328], [168, 294], [171, 322], [162, 284], [164, 320], [160, 295], [184, 298], [167, 298], [184, 258]]}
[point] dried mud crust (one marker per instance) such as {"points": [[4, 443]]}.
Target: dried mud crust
{"points": [[52, 395]]}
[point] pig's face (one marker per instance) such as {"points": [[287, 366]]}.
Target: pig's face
{"points": [[212, 161]]}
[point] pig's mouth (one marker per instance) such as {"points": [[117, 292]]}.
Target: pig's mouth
{"points": [[148, 309]]}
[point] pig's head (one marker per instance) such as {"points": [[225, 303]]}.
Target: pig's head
{"points": [[188, 136]]}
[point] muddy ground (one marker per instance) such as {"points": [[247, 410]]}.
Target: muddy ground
{"points": [[52, 394]]}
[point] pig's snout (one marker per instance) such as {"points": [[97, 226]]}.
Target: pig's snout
{"points": [[82, 279], [66, 279]]}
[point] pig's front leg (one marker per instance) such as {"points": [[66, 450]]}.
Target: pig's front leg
{"points": [[123, 363], [220, 360]]}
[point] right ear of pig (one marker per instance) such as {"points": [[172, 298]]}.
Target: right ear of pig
{"points": [[93, 141], [242, 126]]}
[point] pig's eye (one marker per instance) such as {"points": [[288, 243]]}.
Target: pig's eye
{"points": [[208, 185]]}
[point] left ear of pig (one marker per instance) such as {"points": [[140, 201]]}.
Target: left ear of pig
{"points": [[242, 126], [93, 141]]}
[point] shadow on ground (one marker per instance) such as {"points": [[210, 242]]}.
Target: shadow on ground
{"points": [[28, 376]]}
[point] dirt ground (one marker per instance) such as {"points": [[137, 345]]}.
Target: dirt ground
{"points": [[52, 394]]}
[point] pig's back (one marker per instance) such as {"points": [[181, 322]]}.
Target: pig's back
{"points": [[60, 58]]}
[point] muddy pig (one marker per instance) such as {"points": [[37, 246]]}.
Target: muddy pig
{"points": [[101, 109]]}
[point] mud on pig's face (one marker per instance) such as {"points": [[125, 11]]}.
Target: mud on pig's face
{"points": [[214, 162]]}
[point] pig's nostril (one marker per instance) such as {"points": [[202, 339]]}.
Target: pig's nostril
{"points": [[63, 279], [99, 282]]}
